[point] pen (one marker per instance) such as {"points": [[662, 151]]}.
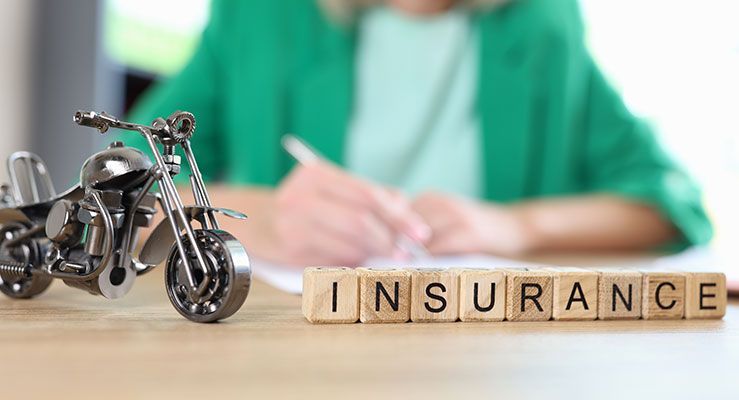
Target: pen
{"points": [[304, 154]]}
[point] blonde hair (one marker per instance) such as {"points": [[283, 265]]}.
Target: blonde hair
{"points": [[344, 11]]}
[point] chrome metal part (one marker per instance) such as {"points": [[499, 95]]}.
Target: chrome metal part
{"points": [[89, 217], [6, 196], [112, 283], [68, 266], [226, 290], [174, 203], [172, 159], [129, 236], [179, 126], [108, 239], [62, 226], [95, 240], [33, 167], [101, 121], [153, 251], [18, 278], [53, 263], [198, 185], [14, 270], [182, 126], [115, 167]]}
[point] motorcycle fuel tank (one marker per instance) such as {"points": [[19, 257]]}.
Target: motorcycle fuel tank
{"points": [[117, 166]]}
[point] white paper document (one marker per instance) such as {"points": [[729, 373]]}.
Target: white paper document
{"points": [[290, 278]]}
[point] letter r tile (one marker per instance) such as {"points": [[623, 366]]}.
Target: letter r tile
{"points": [[528, 294]]}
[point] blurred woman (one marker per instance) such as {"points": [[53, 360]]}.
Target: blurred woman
{"points": [[470, 126]]}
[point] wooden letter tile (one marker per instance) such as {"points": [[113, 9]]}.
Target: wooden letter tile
{"points": [[663, 295], [528, 295], [575, 292], [434, 295], [384, 295], [330, 295], [482, 295], [705, 295], [619, 294]]}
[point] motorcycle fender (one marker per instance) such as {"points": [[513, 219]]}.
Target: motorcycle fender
{"points": [[12, 215], [157, 246]]}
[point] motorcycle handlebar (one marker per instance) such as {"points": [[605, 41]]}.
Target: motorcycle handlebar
{"points": [[101, 122], [178, 127]]}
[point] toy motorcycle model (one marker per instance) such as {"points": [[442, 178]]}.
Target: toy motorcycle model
{"points": [[87, 235]]}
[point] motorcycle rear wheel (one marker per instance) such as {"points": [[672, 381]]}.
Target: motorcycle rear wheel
{"points": [[16, 284]]}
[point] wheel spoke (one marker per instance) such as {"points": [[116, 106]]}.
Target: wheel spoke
{"points": [[222, 298]]}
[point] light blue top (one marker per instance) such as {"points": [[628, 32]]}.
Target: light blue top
{"points": [[414, 124]]}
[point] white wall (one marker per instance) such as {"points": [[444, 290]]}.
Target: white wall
{"points": [[16, 46], [676, 63]]}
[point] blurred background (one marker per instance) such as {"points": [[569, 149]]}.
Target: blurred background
{"points": [[681, 75]]}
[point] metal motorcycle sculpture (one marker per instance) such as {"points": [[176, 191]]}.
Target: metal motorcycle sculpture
{"points": [[87, 235]]}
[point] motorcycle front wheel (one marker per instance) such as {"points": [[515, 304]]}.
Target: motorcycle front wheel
{"points": [[228, 286]]}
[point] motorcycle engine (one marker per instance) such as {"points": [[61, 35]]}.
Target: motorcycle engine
{"points": [[77, 230]]}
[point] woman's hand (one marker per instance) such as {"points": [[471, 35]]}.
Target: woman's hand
{"points": [[595, 222], [319, 215], [461, 226], [322, 216]]}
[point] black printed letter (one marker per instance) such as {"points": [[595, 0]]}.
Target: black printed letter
{"points": [[476, 300], [334, 289], [627, 304], [656, 296], [580, 298], [702, 296], [393, 303], [534, 298], [435, 297]]}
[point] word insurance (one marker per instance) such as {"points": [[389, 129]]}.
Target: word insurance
{"points": [[346, 295]]}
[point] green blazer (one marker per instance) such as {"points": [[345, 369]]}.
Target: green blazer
{"points": [[551, 123]]}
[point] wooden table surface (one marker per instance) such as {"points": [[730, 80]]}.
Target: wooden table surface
{"points": [[68, 344]]}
